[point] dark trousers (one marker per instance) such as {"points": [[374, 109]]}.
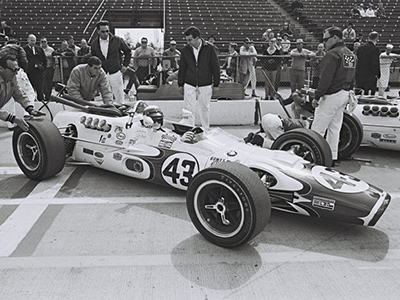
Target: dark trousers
{"points": [[36, 78], [133, 80], [48, 75], [367, 84]]}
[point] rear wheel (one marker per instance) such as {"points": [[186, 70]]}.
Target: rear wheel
{"points": [[305, 143], [39, 152], [351, 135], [228, 204]]}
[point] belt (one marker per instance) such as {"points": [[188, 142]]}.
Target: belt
{"points": [[112, 72]]}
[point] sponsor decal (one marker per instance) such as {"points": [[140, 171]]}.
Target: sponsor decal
{"points": [[349, 61], [119, 142], [118, 129], [132, 141], [376, 135], [99, 161], [338, 181], [217, 160], [102, 139], [389, 136], [323, 203], [120, 135], [117, 156], [387, 141], [88, 151], [99, 155], [167, 141]]}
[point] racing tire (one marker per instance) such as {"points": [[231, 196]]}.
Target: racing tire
{"points": [[307, 144], [40, 151], [228, 204], [351, 135]]}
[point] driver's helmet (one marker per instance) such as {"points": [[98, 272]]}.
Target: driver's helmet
{"points": [[155, 113]]}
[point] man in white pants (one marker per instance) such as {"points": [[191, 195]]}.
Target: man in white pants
{"points": [[386, 59], [198, 72], [332, 94]]}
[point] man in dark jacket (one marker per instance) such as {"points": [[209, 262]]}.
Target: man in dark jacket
{"points": [[332, 94], [110, 49], [198, 72], [368, 67], [37, 62]]}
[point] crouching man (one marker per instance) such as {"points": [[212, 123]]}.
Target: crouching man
{"points": [[9, 89]]}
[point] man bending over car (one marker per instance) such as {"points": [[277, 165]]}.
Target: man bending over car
{"points": [[273, 125], [86, 79], [9, 88]]}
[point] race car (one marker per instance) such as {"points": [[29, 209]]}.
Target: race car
{"points": [[380, 121], [230, 186]]}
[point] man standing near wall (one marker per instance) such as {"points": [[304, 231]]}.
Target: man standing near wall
{"points": [[198, 72]]}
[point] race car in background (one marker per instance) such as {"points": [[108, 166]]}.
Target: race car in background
{"points": [[230, 186]]}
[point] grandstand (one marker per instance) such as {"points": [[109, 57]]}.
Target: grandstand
{"points": [[228, 20]]}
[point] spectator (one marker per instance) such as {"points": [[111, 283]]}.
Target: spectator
{"points": [[370, 12], [380, 11], [349, 36], [266, 33], [362, 10], [6, 31], [83, 53], [368, 70], [198, 72], [297, 7], [360, 38], [270, 63], [211, 40], [9, 88], [286, 30], [37, 62], [355, 11], [111, 49], [299, 56], [65, 60], [144, 61], [72, 46], [315, 65], [278, 46], [247, 70], [230, 64], [386, 59], [86, 80], [356, 46], [173, 56], [332, 93], [48, 72]]}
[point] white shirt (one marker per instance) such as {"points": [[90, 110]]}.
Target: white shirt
{"points": [[104, 46], [196, 51]]}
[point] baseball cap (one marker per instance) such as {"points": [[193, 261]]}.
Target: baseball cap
{"points": [[247, 40], [299, 41], [389, 46], [172, 42]]}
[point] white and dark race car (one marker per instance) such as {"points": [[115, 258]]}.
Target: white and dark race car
{"points": [[230, 186]]}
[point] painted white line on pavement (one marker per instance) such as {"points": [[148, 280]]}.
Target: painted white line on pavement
{"points": [[10, 171], [35, 262], [88, 200], [15, 228], [20, 222]]}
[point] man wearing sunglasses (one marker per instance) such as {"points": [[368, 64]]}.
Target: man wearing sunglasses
{"points": [[115, 56], [338, 68], [9, 88]]}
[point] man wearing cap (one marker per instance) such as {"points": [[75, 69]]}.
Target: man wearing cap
{"points": [[368, 70], [332, 94], [385, 59], [198, 75], [172, 55], [299, 56], [144, 61]]}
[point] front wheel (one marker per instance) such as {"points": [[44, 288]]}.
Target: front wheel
{"points": [[228, 204], [40, 151], [305, 143]]}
